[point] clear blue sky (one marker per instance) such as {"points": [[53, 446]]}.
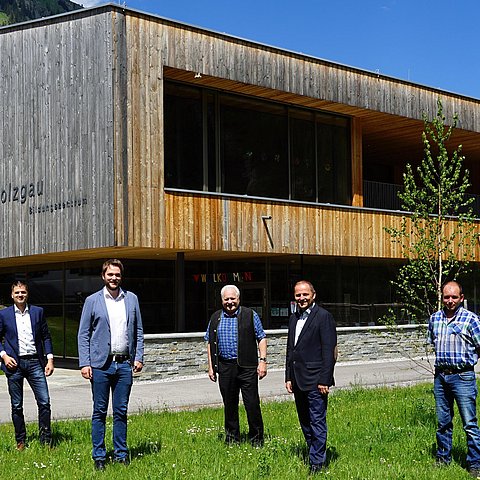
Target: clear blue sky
{"points": [[431, 42]]}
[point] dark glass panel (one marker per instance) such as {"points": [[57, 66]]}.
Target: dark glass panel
{"points": [[183, 137], [302, 155], [333, 157], [45, 286], [253, 148], [212, 135]]}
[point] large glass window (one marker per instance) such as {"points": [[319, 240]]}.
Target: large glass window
{"points": [[254, 158], [184, 131], [234, 144]]}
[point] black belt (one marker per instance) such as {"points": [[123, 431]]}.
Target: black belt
{"points": [[29, 357], [228, 360], [453, 370], [119, 358]]}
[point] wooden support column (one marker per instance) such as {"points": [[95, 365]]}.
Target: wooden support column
{"points": [[357, 162]]}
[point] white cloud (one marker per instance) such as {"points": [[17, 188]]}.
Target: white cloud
{"points": [[91, 3]]}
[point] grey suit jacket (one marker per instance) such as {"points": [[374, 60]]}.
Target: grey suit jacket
{"points": [[94, 336]]}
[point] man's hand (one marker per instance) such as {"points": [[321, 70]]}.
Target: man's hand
{"points": [[262, 369], [49, 368], [137, 366], [86, 372], [9, 362], [212, 375], [323, 389], [288, 386]]}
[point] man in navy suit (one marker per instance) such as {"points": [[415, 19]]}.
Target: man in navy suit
{"points": [[110, 347], [311, 356], [26, 352]]}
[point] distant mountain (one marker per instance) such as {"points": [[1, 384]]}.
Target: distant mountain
{"points": [[14, 11]]}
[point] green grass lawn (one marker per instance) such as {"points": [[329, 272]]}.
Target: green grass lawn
{"points": [[373, 434]]}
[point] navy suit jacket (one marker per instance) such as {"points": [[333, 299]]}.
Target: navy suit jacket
{"points": [[9, 334], [94, 336], [311, 361]]}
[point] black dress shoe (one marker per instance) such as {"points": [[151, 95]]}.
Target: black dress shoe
{"points": [[123, 461], [314, 469], [99, 464], [257, 442]]}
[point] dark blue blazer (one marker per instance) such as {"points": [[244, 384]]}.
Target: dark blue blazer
{"points": [[9, 334], [311, 361], [94, 337]]}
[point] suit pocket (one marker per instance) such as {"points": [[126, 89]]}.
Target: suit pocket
{"points": [[313, 365]]}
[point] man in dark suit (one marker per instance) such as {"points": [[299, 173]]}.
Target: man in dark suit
{"points": [[110, 346], [26, 352], [311, 356]]}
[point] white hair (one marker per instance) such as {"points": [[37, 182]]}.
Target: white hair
{"points": [[230, 287]]}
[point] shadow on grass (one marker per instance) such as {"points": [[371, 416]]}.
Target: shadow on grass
{"points": [[459, 454], [300, 450], [141, 450]]}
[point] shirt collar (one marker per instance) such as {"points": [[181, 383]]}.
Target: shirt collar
{"points": [[235, 314], [120, 296], [17, 310], [455, 315], [306, 313]]}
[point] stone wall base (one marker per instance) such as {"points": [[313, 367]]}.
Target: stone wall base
{"points": [[170, 356]]}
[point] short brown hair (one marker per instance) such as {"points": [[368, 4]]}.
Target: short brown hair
{"points": [[19, 283], [114, 262]]}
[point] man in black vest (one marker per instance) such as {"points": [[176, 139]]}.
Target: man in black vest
{"points": [[235, 336], [311, 356]]}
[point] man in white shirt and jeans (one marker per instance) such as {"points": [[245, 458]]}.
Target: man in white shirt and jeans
{"points": [[26, 353], [110, 348]]}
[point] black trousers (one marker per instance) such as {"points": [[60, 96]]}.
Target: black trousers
{"points": [[232, 379]]}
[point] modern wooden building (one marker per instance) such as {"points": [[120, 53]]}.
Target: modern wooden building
{"points": [[202, 159]]}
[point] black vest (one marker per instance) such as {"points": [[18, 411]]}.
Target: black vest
{"points": [[247, 352]]}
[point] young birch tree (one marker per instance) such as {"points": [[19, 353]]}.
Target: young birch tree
{"points": [[438, 236]]}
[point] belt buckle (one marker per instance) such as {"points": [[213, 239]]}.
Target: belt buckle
{"points": [[119, 358]]}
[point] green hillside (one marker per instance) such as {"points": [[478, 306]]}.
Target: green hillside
{"points": [[14, 11]]}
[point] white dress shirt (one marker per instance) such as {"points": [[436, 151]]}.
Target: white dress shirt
{"points": [[26, 342], [301, 321], [117, 315]]}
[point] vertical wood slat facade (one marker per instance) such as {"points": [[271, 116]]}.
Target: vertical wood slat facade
{"points": [[57, 132], [89, 123]]}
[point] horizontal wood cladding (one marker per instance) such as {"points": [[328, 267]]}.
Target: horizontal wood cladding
{"points": [[221, 224], [254, 65], [56, 137]]}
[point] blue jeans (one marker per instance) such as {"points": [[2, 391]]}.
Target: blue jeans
{"points": [[118, 378], [33, 372], [312, 414], [462, 388]]}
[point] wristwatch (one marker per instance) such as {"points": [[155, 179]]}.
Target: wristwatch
{"points": [[263, 359]]}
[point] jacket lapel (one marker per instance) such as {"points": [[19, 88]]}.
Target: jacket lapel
{"points": [[103, 305], [127, 308], [13, 321]]}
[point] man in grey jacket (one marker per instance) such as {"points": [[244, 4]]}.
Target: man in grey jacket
{"points": [[110, 347]]}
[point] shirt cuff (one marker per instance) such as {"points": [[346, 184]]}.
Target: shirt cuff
{"points": [[2, 353]]}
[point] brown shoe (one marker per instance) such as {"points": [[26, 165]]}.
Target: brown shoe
{"points": [[20, 446]]}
